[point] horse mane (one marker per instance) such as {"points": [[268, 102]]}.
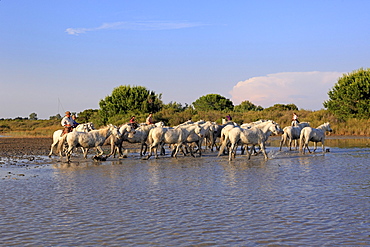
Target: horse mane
{"points": [[323, 125]]}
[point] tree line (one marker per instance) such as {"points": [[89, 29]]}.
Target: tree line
{"points": [[349, 98]]}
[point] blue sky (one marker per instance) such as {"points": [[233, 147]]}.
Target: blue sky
{"points": [[68, 55]]}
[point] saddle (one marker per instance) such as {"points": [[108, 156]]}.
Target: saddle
{"points": [[66, 130]]}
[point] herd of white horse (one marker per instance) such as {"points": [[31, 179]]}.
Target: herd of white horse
{"points": [[188, 137]]}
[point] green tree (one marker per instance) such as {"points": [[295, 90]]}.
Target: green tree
{"points": [[176, 107], [350, 96], [56, 117], [86, 115], [282, 107], [213, 102], [246, 106], [127, 99], [33, 116]]}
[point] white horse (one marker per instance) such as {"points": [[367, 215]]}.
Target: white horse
{"points": [[250, 125], [292, 133], [116, 141], [57, 135], [256, 135], [159, 136], [140, 135], [218, 133], [314, 135], [197, 138], [210, 135], [87, 140], [224, 138]]}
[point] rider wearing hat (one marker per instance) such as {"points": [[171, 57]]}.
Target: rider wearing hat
{"points": [[67, 123]]}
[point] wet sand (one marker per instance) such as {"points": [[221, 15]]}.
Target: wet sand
{"points": [[31, 148], [11, 147]]}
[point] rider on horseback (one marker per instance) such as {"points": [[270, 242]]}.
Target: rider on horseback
{"points": [[295, 119], [67, 123]]}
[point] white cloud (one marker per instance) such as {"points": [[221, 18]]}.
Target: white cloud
{"points": [[140, 25], [307, 90]]}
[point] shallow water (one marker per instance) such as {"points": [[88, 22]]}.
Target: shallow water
{"points": [[288, 200]]}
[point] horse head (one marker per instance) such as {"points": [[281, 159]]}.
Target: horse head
{"points": [[114, 131], [159, 124], [126, 128], [90, 126], [199, 130], [276, 129], [327, 127]]}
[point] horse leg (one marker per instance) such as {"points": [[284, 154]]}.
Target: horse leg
{"points": [[144, 147], [231, 151], [242, 149], [191, 150], [290, 144], [221, 148], [296, 144], [200, 150], [254, 150], [113, 150], [263, 149], [158, 145], [173, 149], [226, 150], [162, 150], [177, 149], [68, 153], [52, 147], [85, 150], [281, 142], [149, 153], [101, 152], [314, 146], [308, 148]]}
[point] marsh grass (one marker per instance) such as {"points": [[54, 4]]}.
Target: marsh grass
{"points": [[28, 128]]}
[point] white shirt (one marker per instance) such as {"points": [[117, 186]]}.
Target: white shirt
{"points": [[67, 121]]}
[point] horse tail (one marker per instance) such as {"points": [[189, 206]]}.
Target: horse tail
{"points": [[61, 143], [224, 140], [150, 137], [283, 140], [302, 138]]}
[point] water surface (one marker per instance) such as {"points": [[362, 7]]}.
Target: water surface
{"points": [[288, 200]]}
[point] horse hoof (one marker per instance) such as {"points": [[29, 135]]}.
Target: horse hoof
{"points": [[99, 158]]}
